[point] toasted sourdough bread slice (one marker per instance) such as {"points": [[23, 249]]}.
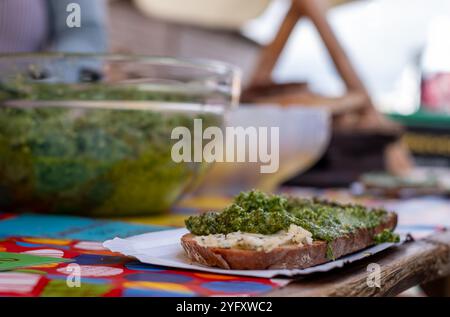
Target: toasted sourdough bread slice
{"points": [[286, 257]]}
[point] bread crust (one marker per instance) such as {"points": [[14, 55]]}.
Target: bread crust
{"points": [[286, 257]]}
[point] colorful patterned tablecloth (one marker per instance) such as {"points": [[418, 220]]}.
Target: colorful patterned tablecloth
{"points": [[102, 273]]}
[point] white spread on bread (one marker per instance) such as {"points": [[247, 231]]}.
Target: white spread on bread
{"points": [[295, 236]]}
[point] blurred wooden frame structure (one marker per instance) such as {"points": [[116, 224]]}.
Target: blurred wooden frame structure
{"points": [[262, 90], [353, 113]]}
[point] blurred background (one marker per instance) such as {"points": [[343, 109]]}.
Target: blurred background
{"points": [[359, 89], [379, 68], [398, 49]]}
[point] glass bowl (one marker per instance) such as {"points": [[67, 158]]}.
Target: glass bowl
{"points": [[92, 134]]}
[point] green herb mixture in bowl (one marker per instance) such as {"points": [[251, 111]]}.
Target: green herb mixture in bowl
{"points": [[88, 134]]}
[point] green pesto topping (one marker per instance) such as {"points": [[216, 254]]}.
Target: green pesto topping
{"points": [[257, 212], [386, 236], [252, 212]]}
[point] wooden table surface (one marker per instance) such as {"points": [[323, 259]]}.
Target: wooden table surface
{"points": [[413, 263]]}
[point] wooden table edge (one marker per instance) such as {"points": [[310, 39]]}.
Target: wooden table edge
{"points": [[401, 267]]}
